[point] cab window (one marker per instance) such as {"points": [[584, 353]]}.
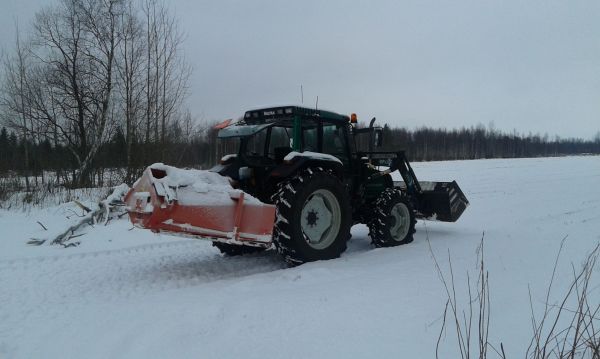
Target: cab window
{"points": [[334, 141], [309, 139], [256, 144], [280, 139]]}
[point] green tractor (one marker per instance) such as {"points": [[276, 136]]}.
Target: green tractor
{"points": [[324, 174]]}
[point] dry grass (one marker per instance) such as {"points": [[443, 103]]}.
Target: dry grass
{"points": [[569, 329], [52, 191]]}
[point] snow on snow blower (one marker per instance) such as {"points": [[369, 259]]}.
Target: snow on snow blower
{"points": [[198, 203], [300, 180]]}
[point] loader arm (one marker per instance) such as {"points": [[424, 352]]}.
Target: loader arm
{"points": [[440, 201]]}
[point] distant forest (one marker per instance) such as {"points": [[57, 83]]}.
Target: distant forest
{"points": [[201, 149]]}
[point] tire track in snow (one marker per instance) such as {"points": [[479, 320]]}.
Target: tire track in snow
{"points": [[46, 286], [135, 249]]}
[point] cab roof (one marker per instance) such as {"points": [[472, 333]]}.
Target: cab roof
{"points": [[273, 114]]}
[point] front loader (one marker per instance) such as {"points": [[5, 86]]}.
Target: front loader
{"points": [[299, 181]]}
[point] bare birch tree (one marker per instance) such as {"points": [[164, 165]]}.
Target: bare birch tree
{"points": [[94, 68], [131, 79], [167, 72], [72, 87]]}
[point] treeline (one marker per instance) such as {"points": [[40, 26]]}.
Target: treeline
{"points": [[93, 76], [199, 147], [429, 144]]}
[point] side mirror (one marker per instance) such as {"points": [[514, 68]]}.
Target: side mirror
{"points": [[378, 140]]}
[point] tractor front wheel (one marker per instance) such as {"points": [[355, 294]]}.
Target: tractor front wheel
{"points": [[313, 217], [393, 221]]}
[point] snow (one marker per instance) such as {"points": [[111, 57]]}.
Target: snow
{"points": [[177, 177], [129, 293], [117, 194], [312, 155], [228, 157], [192, 187]]}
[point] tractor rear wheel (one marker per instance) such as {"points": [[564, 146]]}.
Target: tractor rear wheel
{"points": [[393, 221], [313, 217], [235, 249]]}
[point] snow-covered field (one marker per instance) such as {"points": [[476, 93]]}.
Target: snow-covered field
{"points": [[128, 293]]}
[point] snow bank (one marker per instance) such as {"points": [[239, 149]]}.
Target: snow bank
{"points": [[23, 231]]}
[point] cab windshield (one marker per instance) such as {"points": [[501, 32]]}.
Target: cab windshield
{"points": [[271, 143], [274, 142]]}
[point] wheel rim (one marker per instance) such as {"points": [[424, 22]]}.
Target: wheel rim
{"points": [[321, 219], [400, 221]]}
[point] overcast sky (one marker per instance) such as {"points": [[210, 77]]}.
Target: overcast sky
{"points": [[524, 65]]}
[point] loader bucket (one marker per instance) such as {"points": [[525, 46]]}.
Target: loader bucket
{"points": [[441, 201], [198, 204]]}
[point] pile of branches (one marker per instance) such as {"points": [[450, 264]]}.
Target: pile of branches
{"points": [[108, 208]]}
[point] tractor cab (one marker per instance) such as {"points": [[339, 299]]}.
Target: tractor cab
{"points": [[275, 132], [275, 142]]}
